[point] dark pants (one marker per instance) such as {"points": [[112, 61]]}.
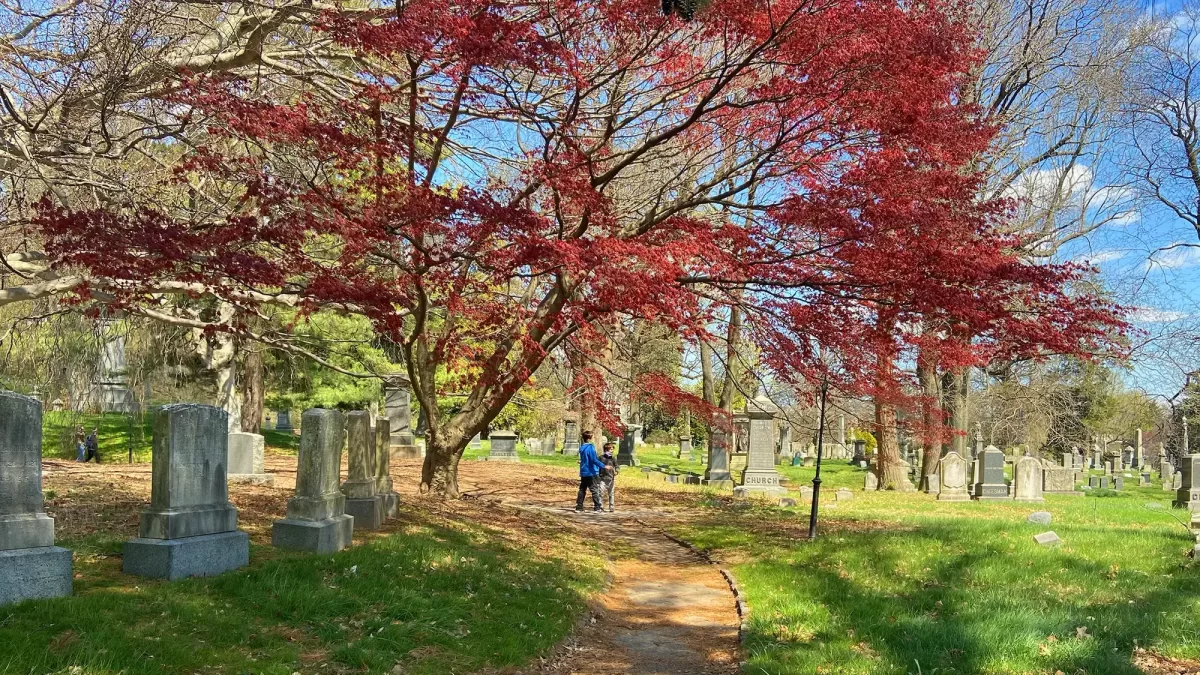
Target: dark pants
{"points": [[92, 453], [588, 483]]}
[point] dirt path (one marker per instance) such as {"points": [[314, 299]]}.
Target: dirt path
{"points": [[667, 612]]}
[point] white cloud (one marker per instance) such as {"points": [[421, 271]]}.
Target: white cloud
{"points": [[1176, 256], [1152, 315], [1101, 257]]}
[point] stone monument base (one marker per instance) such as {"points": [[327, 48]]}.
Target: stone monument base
{"points": [[391, 504], [746, 492], [368, 513], [991, 492], [315, 536], [407, 452], [267, 479], [27, 573], [502, 458], [718, 483], [203, 556]]}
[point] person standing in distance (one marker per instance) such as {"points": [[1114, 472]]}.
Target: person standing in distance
{"points": [[590, 468]]}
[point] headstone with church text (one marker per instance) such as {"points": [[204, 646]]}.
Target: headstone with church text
{"points": [[760, 476]]}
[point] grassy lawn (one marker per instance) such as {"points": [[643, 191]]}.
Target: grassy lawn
{"points": [[902, 584], [434, 597], [118, 433]]}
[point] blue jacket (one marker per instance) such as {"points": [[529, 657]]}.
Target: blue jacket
{"points": [[589, 463]]}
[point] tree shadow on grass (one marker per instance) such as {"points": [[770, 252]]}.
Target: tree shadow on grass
{"points": [[966, 596], [436, 600]]}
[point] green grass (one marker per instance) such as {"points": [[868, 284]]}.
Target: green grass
{"points": [[903, 584], [118, 433], [432, 599]]}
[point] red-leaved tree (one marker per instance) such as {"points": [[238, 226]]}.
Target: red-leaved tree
{"points": [[495, 180]]}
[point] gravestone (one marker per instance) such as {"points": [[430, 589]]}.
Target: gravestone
{"points": [[1094, 481], [990, 484], [533, 446], [1118, 482], [931, 484], [843, 494], [717, 473], [110, 390], [397, 403], [1027, 480], [760, 476], [31, 566], [283, 420], [190, 529], [570, 437], [1144, 478], [316, 519], [476, 442], [362, 500], [871, 481], [1104, 482], [806, 493], [246, 459], [1188, 480], [627, 449], [1177, 480], [1047, 539], [685, 448], [1040, 518], [1058, 481], [952, 474], [381, 439], [504, 447]]}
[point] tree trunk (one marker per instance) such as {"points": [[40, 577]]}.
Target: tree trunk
{"points": [[931, 412], [253, 392], [708, 388], [219, 352], [731, 357], [887, 450], [439, 472]]}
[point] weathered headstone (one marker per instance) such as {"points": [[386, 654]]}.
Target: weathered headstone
{"points": [[1058, 481], [990, 483], [717, 473], [362, 501], [627, 449], [1047, 539], [110, 389], [1093, 481], [843, 494], [952, 470], [316, 520], [570, 437], [931, 484], [476, 442], [760, 476], [1118, 482], [1040, 518], [190, 529], [246, 461], [1027, 480], [384, 489], [533, 446], [1177, 480], [31, 566], [685, 448], [504, 446], [397, 403], [806, 493], [871, 481], [1188, 494], [1105, 482], [283, 420]]}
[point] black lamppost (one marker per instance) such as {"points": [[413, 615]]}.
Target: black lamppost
{"points": [[816, 496]]}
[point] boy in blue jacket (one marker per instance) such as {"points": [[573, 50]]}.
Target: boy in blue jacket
{"points": [[590, 469]]}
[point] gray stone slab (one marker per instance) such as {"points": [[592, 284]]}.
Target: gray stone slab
{"points": [[23, 524], [34, 530], [1047, 539], [318, 467], [368, 514], [315, 536], [245, 454], [1040, 517], [360, 480], [189, 493], [204, 556], [30, 573]]}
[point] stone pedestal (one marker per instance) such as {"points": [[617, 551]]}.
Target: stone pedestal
{"points": [[362, 501], [760, 476], [991, 484], [1027, 480], [1188, 479], [380, 438], [31, 566], [190, 528], [283, 420], [316, 519], [504, 447], [246, 462], [571, 437], [627, 450], [717, 473], [952, 475]]}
